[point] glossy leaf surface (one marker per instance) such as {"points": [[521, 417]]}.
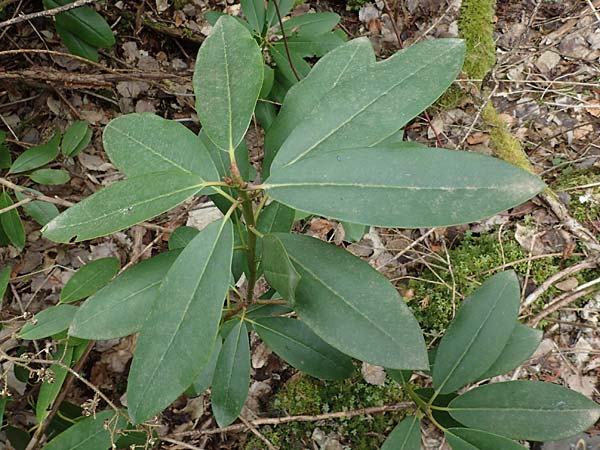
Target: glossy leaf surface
{"points": [[76, 138], [50, 321], [89, 278], [11, 222], [355, 310], [278, 268], [177, 337], [528, 410], [427, 187], [478, 333], [50, 176], [35, 157]]}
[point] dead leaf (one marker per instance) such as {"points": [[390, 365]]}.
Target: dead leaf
{"points": [[373, 374]]}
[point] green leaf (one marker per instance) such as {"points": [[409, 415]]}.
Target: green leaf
{"points": [[11, 222], [254, 10], [295, 343], [85, 23], [77, 46], [3, 402], [268, 78], [274, 218], [91, 433], [520, 346], [176, 340], [227, 80], [354, 232], [405, 436], [89, 279], [428, 187], [120, 308], [364, 110], [181, 237], [285, 6], [139, 144], [76, 138], [278, 269], [333, 68], [49, 390], [283, 66], [40, 211], [468, 439], [309, 46], [50, 176], [5, 157], [307, 25], [355, 310], [232, 376], [478, 333], [4, 280], [205, 379], [123, 204], [49, 322], [265, 114], [527, 410], [35, 157]]}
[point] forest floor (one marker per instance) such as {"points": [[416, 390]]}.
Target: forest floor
{"points": [[545, 86]]}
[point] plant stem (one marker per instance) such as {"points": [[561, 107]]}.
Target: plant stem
{"points": [[285, 44], [248, 213]]}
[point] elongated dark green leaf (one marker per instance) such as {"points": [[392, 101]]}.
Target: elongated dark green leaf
{"points": [[85, 23], [365, 110], [354, 231], [123, 204], [355, 310], [205, 379], [4, 280], [530, 410], [11, 222], [337, 66], [139, 144], [49, 390], [50, 176], [275, 218], [227, 80], [232, 376], [35, 157], [5, 156], [89, 279], [3, 402], [39, 211], [468, 439], [255, 13], [181, 237], [405, 436], [311, 24], [478, 333], [91, 433], [120, 308], [295, 343], [285, 6], [521, 345], [309, 46], [427, 187], [278, 269], [75, 137], [284, 69], [268, 78], [48, 322], [176, 340], [77, 46]]}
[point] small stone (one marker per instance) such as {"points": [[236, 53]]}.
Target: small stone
{"points": [[547, 61]]}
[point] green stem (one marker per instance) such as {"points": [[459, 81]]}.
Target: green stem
{"points": [[425, 407], [251, 244]]}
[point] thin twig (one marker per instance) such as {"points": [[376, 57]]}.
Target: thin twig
{"points": [[46, 13], [258, 434], [285, 44], [560, 301], [437, 137], [180, 443], [45, 198], [16, 205]]}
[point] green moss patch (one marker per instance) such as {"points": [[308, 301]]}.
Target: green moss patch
{"points": [[476, 27]]}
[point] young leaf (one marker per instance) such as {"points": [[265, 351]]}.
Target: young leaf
{"points": [[40, 211], [77, 46], [308, 25], [48, 322], [182, 236], [355, 310], [50, 176], [227, 80], [205, 379], [4, 280], [35, 157], [364, 110], [345, 61], [91, 433], [139, 144], [468, 439], [428, 187], [49, 390], [254, 10], [405, 436], [76, 138], [89, 279], [177, 337], [11, 222], [528, 410], [123, 204], [85, 23], [120, 308], [520, 346], [478, 333], [278, 269], [232, 376], [295, 343]]}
